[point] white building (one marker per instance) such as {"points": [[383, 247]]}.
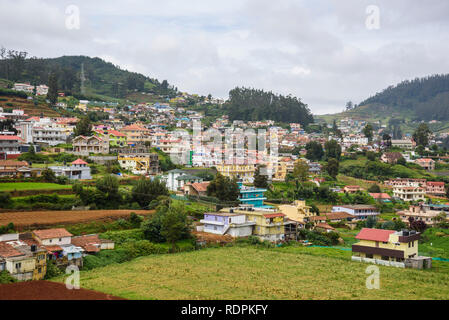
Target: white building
{"points": [[360, 211], [227, 223], [177, 179]]}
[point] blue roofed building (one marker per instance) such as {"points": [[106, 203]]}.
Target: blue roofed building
{"points": [[252, 196]]}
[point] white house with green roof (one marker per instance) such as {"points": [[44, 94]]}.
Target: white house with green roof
{"points": [[177, 179]]}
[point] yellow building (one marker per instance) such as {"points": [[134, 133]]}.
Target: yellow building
{"points": [[298, 211], [147, 163], [282, 169], [22, 261], [387, 245], [270, 225], [240, 171]]}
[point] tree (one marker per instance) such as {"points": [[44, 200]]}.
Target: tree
{"points": [[301, 170], [332, 167], [314, 151], [374, 189], [368, 132], [386, 138], [371, 222], [260, 180], [83, 128], [371, 156], [175, 226], [401, 161], [421, 135], [146, 190], [48, 175], [417, 225], [52, 94], [332, 150], [349, 106], [223, 188]]}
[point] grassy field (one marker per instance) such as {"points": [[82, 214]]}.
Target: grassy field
{"points": [[251, 273], [19, 186]]}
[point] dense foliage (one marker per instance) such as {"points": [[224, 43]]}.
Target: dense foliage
{"points": [[254, 105], [427, 97]]}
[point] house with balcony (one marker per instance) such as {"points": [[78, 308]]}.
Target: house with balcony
{"points": [[389, 247], [409, 194], [359, 211], [140, 163], [423, 213], [435, 189], [116, 138], [252, 196], [234, 224], [175, 180], [245, 172], [298, 211], [84, 146], [9, 146], [269, 224]]}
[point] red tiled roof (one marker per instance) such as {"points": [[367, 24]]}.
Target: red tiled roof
{"points": [[374, 234], [200, 187], [52, 233], [431, 183], [8, 251], [324, 226], [12, 163], [380, 195], [51, 249], [80, 161]]}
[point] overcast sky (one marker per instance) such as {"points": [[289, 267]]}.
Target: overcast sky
{"points": [[319, 50]]}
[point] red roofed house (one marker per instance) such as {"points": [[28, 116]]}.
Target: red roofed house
{"points": [[386, 245], [86, 145], [9, 145], [384, 197], [435, 188], [79, 170], [196, 189]]}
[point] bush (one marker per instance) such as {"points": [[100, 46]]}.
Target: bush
{"points": [[6, 277], [52, 270], [120, 237]]}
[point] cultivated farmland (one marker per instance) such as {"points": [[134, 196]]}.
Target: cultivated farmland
{"points": [[251, 273], [21, 186], [39, 219]]}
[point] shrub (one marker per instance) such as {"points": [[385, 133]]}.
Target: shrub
{"points": [[52, 270], [6, 277]]}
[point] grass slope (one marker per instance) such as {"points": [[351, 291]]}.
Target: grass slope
{"points": [[250, 273], [19, 186]]}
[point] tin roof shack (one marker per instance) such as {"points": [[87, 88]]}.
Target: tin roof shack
{"points": [[390, 248]]}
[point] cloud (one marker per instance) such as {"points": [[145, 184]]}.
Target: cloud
{"points": [[320, 51]]}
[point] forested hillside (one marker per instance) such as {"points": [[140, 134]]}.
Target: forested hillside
{"points": [[99, 77], [425, 98], [253, 105]]}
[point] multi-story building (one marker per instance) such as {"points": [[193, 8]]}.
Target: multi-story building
{"points": [[406, 182], [409, 193], [23, 260], [244, 172], [9, 146], [360, 211], [435, 188], [87, 145], [269, 224], [116, 138], [405, 144], [421, 213], [140, 163], [227, 223], [390, 246], [136, 134], [298, 212], [175, 180]]}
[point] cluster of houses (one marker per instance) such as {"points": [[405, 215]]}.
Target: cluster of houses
{"points": [[25, 255]]}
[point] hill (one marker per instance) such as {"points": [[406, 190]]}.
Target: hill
{"points": [[255, 105], [81, 76], [421, 99], [9, 100], [290, 273]]}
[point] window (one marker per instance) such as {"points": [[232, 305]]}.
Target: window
{"points": [[369, 256], [18, 265]]}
